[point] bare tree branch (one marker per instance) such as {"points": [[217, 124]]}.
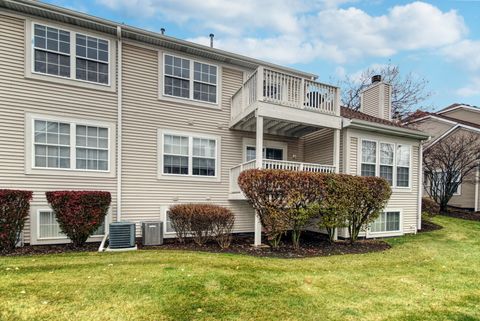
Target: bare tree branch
{"points": [[448, 163], [408, 91]]}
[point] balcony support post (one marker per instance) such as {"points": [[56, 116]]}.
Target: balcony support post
{"points": [[259, 165], [260, 83], [336, 150]]}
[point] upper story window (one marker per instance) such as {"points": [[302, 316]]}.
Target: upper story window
{"points": [[51, 51], [387, 160], [189, 155], [189, 79], [92, 59], [69, 145], [71, 55]]}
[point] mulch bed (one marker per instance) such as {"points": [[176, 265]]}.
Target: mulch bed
{"points": [[313, 244], [52, 249], [428, 226], [463, 214]]}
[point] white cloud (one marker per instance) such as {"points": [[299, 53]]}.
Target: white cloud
{"points": [[472, 89], [466, 52], [300, 31]]}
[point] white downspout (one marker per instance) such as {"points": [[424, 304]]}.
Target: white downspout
{"points": [[420, 186], [119, 125], [101, 248], [477, 182]]}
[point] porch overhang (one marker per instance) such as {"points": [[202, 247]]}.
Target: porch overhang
{"points": [[283, 120]]}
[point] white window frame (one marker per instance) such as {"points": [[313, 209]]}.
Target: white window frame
{"points": [[160, 146], [35, 238], [250, 142], [30, 68], [192, 60], [377, 164], [394, 172], [30, 167], [163, 217], [377, 154], [388, 233]]}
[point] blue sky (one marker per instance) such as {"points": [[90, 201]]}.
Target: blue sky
{"points": [[438, 40]]}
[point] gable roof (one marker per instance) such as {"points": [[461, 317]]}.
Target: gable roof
{"points": [[422, 115], [362, 121], [64, 15], [457, 106], [353, 114]]}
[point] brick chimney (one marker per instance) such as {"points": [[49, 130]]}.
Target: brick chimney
{"points": [[376, 99]]}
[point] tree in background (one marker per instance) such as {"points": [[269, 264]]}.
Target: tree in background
{"points": [[448, 163], [408, 91]]}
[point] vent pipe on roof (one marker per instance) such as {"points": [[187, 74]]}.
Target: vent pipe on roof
{"points": [[162, 31], [211, 40]]}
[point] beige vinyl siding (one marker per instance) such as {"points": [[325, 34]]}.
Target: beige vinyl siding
{"points": [[144, 113], [353, 157], [18, 96], [370, 101], [466, 199], [387, 106], [404, 199], [318, 147], [464, 114], [433, 127]]}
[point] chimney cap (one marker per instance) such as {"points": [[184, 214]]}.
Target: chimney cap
{"points": [[376, 78]]}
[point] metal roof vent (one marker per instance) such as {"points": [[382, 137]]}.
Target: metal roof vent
{"points": [[122, 236], [211, 40]]}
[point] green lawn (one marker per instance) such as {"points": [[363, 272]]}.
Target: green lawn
{"points": [[430, 276]]}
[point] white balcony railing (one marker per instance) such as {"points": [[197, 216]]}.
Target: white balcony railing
{"points": [[275, 164], [283, 89]]}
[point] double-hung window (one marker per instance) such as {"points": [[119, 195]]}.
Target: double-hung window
{"points": [[92, 59], [369, 158], [403, 165], [189, 79], [51, 51], [69, 145], [189, 155], [71, 55], [388, 221], [387, 160]]}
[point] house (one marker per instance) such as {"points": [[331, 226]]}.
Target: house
{"points": [[88, 103], [452, 120]]}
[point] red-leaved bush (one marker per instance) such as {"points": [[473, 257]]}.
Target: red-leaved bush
{"points": [[14, 209], [290, 200], [79, 213], [203, 222], [279, 196]]}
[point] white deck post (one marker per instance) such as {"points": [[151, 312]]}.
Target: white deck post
{"points": [[259, 165], [336, 150]]}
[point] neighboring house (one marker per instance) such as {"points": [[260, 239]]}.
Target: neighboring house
{"points": [[87, 103], [453, 120]]}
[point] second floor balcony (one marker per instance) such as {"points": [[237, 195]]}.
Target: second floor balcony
{"points": [[285, 97]]}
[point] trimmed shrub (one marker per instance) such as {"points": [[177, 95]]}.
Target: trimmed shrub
{"points": [[79, 213], [203, 222], [289, 200], [368, 196], [280, 198], [429, 207], [14, 209]]}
